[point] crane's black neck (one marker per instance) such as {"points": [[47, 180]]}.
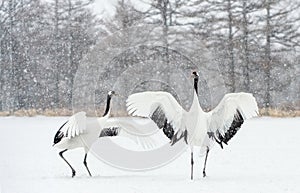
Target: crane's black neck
{"points": [[107, 105], [196, 84]]}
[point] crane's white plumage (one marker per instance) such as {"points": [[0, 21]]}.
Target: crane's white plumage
{"points": [[222, 116], [186, 123], [75, 125], [144, 104], [218, 125], [137, 129], [78, 132], [81, 131], [89, 129]]}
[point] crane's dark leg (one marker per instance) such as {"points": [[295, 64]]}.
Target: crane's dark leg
{"points": [[61, 155], [204, 174], [85, 164], [192, 164]]}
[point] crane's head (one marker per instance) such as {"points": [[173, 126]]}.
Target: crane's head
{"points": [[195, 74], [112, 93]]}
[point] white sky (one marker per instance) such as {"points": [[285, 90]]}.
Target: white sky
{"points": [[105, 6]]}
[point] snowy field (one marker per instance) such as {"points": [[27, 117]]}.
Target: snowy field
{"points": [[264, 157]]}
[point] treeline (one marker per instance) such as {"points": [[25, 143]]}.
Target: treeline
{"points": [[253, 45], [41, 45]]}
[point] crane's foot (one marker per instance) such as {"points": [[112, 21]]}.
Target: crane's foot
{"points": [[204, 174], [73, 173]]}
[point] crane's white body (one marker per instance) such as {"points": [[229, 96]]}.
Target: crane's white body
{"points": [[78, 132], [193, 121], [81, 132], [222, 122]]}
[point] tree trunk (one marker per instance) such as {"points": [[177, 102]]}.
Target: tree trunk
{"points": [[268, 59], [245, 48], [164, 12], [11, 95], [56, 97], [231, 48]]}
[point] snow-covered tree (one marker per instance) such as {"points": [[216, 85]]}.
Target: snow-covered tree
{"points": [[74, 31], [279, 33]]}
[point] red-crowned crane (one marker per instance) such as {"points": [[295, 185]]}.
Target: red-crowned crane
{"points": [[196, 127]]}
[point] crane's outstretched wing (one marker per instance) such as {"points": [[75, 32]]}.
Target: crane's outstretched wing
{"points": [[159, 117], [71, 128], [227, 118], [162, 108], [143, 131]]}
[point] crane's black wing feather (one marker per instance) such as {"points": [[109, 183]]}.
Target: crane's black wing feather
{"points": [[110, 132], [159, 117], [236, 124], [59, 134]]}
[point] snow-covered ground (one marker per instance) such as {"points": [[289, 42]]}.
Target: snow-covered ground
{"points": [[264, 157]]}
